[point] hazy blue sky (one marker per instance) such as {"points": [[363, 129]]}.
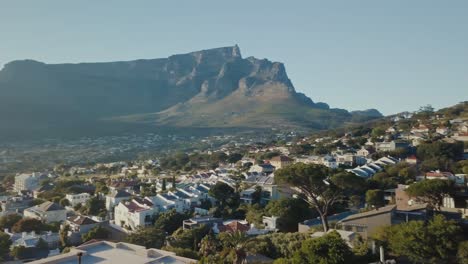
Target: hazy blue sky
{"points": [[391, 55]]}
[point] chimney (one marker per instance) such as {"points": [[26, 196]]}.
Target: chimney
{"points": [[79, 255], [382, 255]]}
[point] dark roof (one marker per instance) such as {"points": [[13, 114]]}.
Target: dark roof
{"points": [[81, 220], [49, 206], [281, 158], [120, 194], [382, 210], [331, 218]]}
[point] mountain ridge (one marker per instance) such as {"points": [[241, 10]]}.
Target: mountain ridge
{"points": [[207, 88]]}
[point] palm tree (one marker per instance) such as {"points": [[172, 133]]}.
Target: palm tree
{"points": [[238, 244]]}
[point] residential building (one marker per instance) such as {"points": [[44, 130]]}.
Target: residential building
{"points": [[199, 221], [79, 225], [47, 212], [26, 181], [116, 253], [391, 146], [412, 160], [30, 239], [232, 226], [281, 161], [420, 129], [115, 197], [305, 226], [330, 162], [76, 199], [262, 168], [365, 224], [15, 204], [442, 130], [139, 212]]}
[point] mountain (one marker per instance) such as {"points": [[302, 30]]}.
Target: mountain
{"points": [[209, 88]]}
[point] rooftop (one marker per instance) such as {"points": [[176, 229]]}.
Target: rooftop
{"points": [[105, 252], [49, 206], [382, 210]]}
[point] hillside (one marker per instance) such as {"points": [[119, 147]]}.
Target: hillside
{"points": [[209, 88]]}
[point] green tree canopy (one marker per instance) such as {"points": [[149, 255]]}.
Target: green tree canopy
{"points": [[321, 187], [431, 191], [8, 221], [375, 198], [222, 193], [170, 221], [5, 244], [148, 237], [28, 225], [290, 211], [97, 232], [328, 249], [434, 242]]}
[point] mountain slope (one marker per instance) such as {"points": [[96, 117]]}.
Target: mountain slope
{"points": [[209, 88]]}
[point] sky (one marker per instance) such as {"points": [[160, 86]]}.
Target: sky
{"points": [[390, 55]]}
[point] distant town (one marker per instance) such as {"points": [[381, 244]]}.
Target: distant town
{"points": [[390, 190]]}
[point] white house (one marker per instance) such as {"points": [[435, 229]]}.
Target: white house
{"points": [[75, 199], [26, 182], [47, 212], [135, 213], [116, 197]]}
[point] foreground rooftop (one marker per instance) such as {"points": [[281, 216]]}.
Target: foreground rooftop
{"points": [[108, 252]]}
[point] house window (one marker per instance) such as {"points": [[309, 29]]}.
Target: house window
{"points": [[361, 229], [348, 228]]}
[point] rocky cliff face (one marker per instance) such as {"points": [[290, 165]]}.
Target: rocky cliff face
{"points": [[215, 87]]}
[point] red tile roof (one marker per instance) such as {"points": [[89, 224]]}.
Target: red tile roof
{"points": [[233, 227]]}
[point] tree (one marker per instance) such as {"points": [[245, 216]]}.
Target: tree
{"points": [[236, 245], [170, 221], [148, 237], [188, 238], [279, 245], [163, 187], [101, 188], [328, 249], [254, 214], [64, 202], [257, 195], [8, 221], [209, 245], [94, 206], [5, 244], [462, 253], [222, 192], [35, 202], [97, 232], [375, 198], [64, 236], [28, 225], [289, 211], [320, 189], [434, 242], [431, 191], [234, 157], [173, 182]]}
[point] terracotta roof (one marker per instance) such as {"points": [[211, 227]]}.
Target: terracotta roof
{"points": [[438, 174], [132, 207], [234, 226]]}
